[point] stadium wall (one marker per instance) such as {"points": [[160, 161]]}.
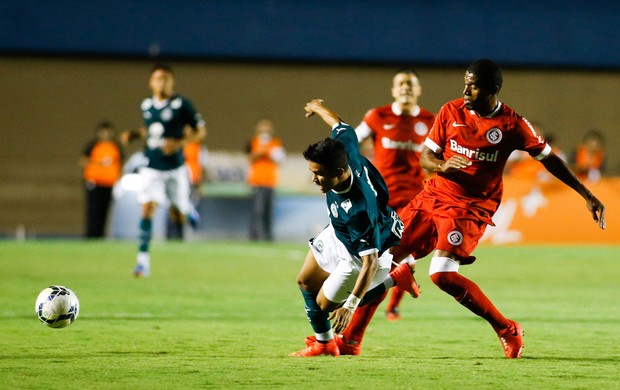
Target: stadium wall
{"points": [[51, 105]]}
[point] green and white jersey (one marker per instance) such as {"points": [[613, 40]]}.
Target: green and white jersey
{"points": [[166, 119], [361, 218]]}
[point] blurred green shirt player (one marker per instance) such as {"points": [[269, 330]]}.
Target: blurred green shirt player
{"points": [[167, 120], [170, 121]]}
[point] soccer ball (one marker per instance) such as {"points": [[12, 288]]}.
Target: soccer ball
{"points": [[57, 306]]}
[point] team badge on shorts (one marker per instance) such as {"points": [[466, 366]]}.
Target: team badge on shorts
{"points": [[455, 237], [494, 135], [318, 244]]}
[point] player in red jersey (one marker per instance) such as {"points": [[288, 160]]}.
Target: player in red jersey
{"points": [[398, 131], [468, 147]]}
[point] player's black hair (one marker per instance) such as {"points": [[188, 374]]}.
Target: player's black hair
{"points": [[594, 134], [408, 70], [327, 152], [489, 74], [161, 66], [104, 124]]}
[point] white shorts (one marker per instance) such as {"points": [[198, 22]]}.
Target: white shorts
{"points": [[161, 186], [333, 257]]}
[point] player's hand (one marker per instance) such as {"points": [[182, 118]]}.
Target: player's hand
{"points": [[598, 211], [312, 106], [171, 146], [340, 319], [455, 163]]}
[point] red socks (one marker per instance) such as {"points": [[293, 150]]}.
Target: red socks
{"points": [[468, 294], [361, 318], [395, 298]]}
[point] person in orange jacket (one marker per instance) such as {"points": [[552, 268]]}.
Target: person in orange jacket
{"points": [[101, 161], [265, 153], [589, 157]]}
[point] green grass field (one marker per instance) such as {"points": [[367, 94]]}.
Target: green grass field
{"points": [[226, 314]]}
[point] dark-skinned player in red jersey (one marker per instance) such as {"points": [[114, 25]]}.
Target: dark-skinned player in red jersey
{"points": [[467, 147]]}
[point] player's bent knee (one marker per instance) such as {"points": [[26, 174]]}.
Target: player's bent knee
{"points": [[327, 305], [301, 283]]}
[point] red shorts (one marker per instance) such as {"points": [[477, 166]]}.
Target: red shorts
{"points": [[431, 225]]}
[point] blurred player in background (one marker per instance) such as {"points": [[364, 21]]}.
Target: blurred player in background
{"points": [[589, 157], [265, 154], [166, 177], [349, 260], [195, 154], [397, 132], [102, 161]]}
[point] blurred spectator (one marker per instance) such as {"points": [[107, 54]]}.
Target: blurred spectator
{"points": [[265, 153], [102, 162], [589, 157], [195, 155], [521, 166]]}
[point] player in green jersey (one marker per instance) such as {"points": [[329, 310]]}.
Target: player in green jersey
{"points": [[348, 263], [167, 117]]}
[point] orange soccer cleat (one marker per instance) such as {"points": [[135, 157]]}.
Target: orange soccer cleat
{"points": [[316, 349], [512, 340], [403, 279], [392, 315], [344, 346]]}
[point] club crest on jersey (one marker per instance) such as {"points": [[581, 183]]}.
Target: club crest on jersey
{"points": [[334, 209], [494, 135], [166, 114], [420, 128], [455, 237]]}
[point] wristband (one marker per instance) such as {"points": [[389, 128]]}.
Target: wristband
{"points": [[351, 303]]}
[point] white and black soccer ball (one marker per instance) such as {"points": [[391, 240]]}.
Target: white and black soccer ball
{"points": [[57, 306]]}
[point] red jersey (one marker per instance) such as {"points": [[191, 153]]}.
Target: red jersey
{"points": [[486, 142], [398, 142]]}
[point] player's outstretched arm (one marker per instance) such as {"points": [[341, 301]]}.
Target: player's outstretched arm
{"points": [[315, 106], [559, 169]]}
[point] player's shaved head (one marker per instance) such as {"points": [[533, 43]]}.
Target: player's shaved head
{"points": [[488, 72]]}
